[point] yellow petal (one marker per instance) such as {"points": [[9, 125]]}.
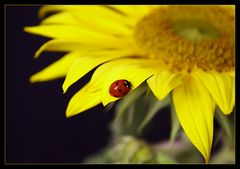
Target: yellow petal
{"points": [[101, 73], [132, 10], [66, 45], [145, 8], [164, 82], [52, 8], [91, 22], [61, 18], [231, 73], [99, 76], [85, 64], [99, 11], [104, 25], [195, 110], [59, 45], [135, 74], [56, 70], [82, 101], [222, 88], [67, 32]]}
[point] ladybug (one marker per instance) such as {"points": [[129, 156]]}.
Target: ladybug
{"points": [[120, 88]]}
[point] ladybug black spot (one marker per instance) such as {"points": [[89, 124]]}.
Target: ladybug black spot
{"points": [[127, 84], [119, 88]]}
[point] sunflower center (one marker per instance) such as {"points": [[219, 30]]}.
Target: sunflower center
{"points": [[186, 37], [194, 30]]}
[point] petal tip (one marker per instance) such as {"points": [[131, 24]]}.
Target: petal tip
{"points": [[104, 103], [27, 29], [207, 157], [227, 111], [64, 89], [37, 53], [161, 96], [33, 79], [68, 115], [70, 112]]}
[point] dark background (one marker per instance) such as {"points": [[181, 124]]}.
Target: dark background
{"points": [[36, 127]]}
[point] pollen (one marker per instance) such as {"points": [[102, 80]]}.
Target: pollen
{"points": [[186, 37]]}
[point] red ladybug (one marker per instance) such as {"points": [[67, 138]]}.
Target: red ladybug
{"points": [[120, 88]]}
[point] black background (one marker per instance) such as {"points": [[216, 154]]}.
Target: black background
{"points": [[37, 129]]}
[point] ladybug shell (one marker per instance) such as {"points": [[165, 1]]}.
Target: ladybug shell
{"points": [[119, 88]]}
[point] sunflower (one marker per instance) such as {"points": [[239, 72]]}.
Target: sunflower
{"points": [[187, 51]]}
